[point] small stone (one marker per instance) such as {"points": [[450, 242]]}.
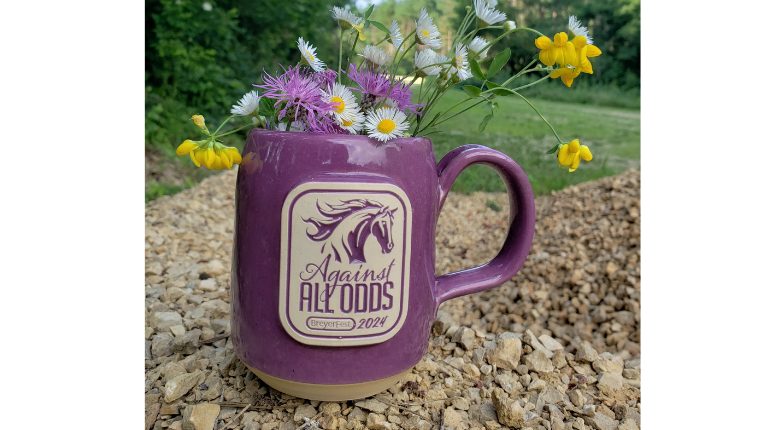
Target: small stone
{"points": [[628, 424], [372, 405], [460, 403], [452, 418], [486, 412], [509, 412], [610, 383], [586, 352], [162, 321], [601, 421], [161, 344], [172, 369], [331, 408], [202, 416], [532, 340], [577, 398], [609, 363], [492, 425], [169, 409], [304, 411], [505, 354], [550, 343], [181, 384], [215, 268], [208, 284], [466, 337], [539, 362], [471, 370], [177, 330], [486, 369], [377, 422]]}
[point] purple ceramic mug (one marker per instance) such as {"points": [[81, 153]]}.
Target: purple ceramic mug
{"points": [[333, 284]]}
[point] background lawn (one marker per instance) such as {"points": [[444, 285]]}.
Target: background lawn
{"points": [[613, 135], [202, 55]]}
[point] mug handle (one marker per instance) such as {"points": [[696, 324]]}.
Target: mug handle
{"points": [[521, 231]]}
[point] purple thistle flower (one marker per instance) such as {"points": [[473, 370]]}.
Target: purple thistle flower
{"points": [[403, 95], [370, 82], [326, 78], [327, 126], [376, 85], [297, 95]]}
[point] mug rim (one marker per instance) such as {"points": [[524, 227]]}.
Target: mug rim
{"points": [[309, 136]]}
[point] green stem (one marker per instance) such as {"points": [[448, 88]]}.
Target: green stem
{"points": [[538, 113], [341, 45], [531, 84], [234, 131], [530, 30], [223, 123]]}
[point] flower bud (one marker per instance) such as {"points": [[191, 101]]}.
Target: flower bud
{"points": [[199, 121]]}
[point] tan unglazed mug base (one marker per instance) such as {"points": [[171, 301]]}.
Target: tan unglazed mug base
{"points": [[329, 392]]}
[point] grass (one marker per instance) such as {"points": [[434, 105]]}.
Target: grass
{"points": [[613, 135]]}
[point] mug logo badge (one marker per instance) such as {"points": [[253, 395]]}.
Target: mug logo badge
{"points": [[344, 228], [345, 262]]}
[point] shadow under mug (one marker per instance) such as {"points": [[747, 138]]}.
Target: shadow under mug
{"points": [[334, 289]]}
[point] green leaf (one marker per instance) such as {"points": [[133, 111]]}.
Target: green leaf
{"points": [[476, 69], [553, 149], [484, 122], [369, 11], [499, 62], [471, 90], [501, 91], [379, 26], [267, 107]]}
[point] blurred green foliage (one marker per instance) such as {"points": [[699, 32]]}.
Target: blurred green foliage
{"points": [[201, 56]]}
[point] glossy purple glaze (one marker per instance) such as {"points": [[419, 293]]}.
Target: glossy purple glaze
{"points": [[273, 164]]}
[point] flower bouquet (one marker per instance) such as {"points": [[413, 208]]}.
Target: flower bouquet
{"points": [[371, 92]]}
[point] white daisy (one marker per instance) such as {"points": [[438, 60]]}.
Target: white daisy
{"points": [[248, 105], [343, 101], [395, 34], [487, 14], [353, 124], [308, 54], [460, 61], [425, 61], [375, 55], [426, 32], [386, 123], [478, 46], [576, 27], [345, 17]]}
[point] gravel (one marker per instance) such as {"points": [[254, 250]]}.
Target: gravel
{"points": [[557, 347]]}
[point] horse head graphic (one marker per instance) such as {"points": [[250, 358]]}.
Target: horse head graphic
{"points": [[347, 225]]}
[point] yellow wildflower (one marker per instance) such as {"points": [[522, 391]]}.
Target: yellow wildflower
{"points": [[200, 122], [221, 157], [570, 153], [566, 73], [585, 51], [360, 33], [558, 51]]}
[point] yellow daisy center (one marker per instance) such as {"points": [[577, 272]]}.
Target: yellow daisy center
{"points": [[347, 122], [425, 33], [338, 103], [386, 126]]}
